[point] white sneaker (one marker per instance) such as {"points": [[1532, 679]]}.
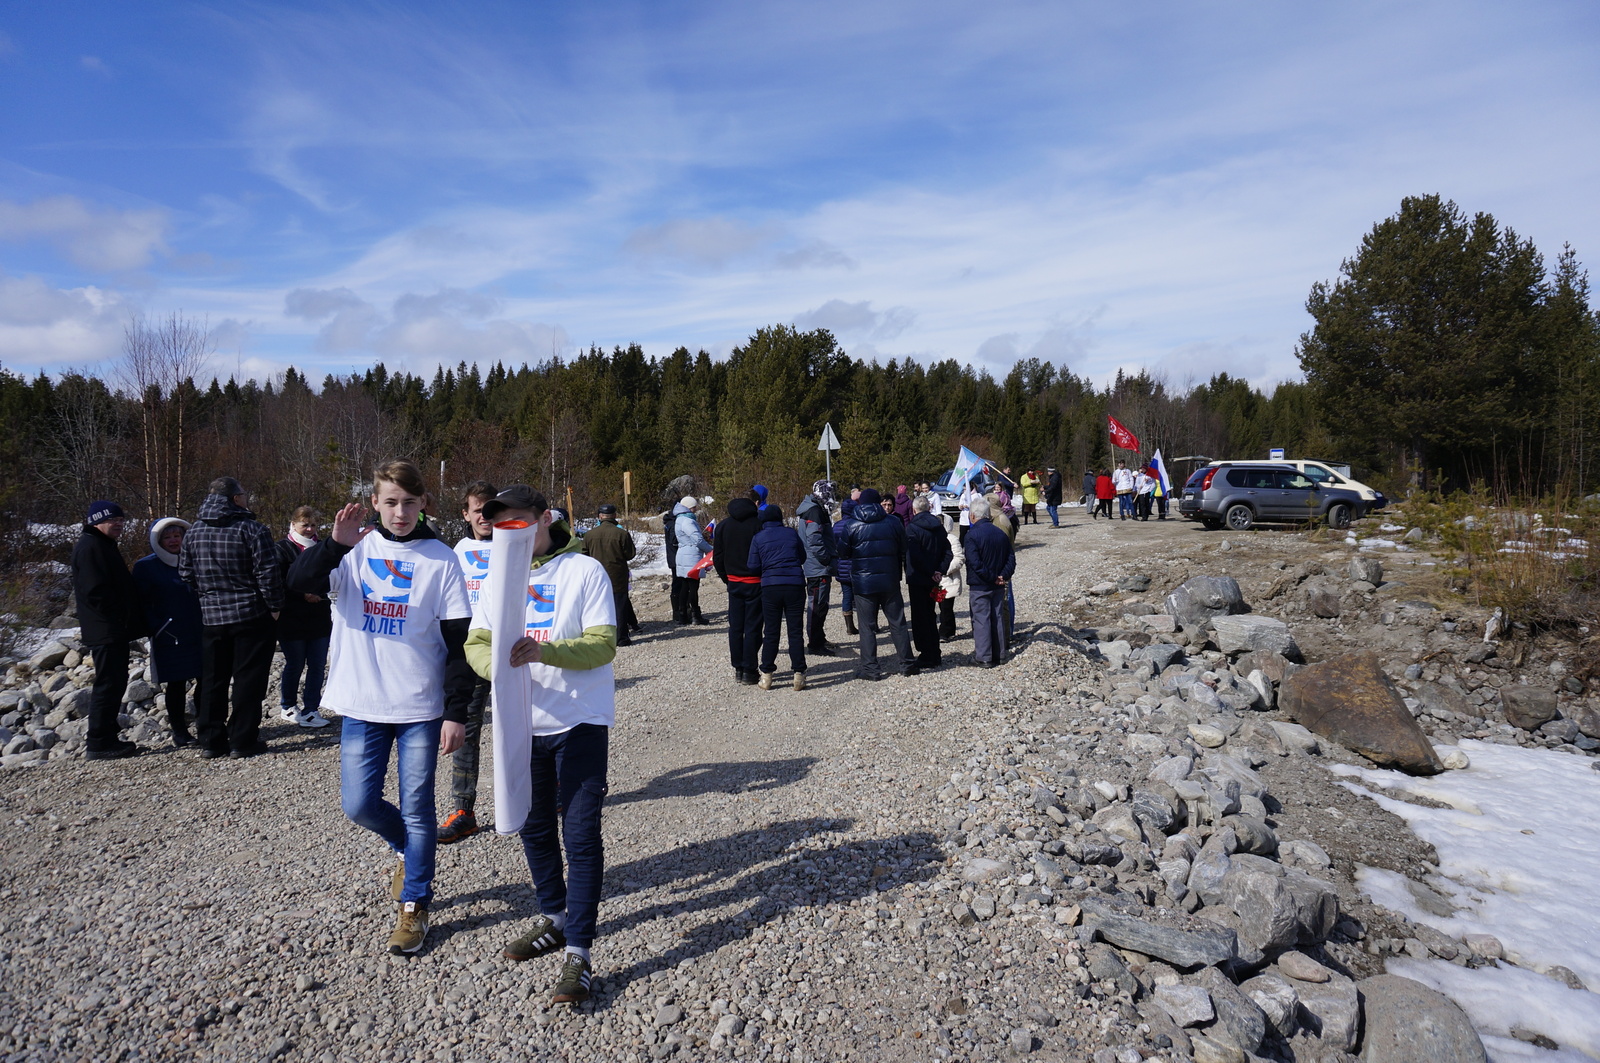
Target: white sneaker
{"points": [[310, 718], [289, 714]]}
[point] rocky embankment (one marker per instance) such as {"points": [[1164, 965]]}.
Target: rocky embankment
{"points": [[1118, 847]]}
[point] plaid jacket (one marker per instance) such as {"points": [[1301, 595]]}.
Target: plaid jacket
{"points": [[229, 559]]}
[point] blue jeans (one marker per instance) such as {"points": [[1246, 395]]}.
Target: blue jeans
{"points": [[568, 773], [311, 656], [1125, 506], [1055, 518], [364, 764]]}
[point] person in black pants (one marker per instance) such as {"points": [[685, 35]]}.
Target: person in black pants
{"points": [[876, 547], [730, 556], [172, 613], [928, 557], [230, 560], [778, 558], [109, 617]]}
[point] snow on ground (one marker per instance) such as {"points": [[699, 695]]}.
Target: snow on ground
{"points": [[1518, 858], [650, 555], [1498, 998]]}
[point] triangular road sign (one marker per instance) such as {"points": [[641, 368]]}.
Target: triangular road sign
{"points": [[829, 440]]}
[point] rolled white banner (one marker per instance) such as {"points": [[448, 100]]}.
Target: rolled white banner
{"points": [[504, 608]]}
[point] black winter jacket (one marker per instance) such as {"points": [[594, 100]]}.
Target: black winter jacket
{"points": [[989, 554], [730, 547], [776, 554], [230, 560], [301, 619], [876, 547], [109, 606], [927, 550], [1052, 490]]}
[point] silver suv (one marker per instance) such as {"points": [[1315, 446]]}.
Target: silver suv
{"points": [[1239, 495]]}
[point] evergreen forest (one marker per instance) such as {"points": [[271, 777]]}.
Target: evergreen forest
{"points": [[1446, 353]]}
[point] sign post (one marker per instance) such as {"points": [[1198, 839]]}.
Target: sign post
{"points": [[828, 444], [627, 489]]}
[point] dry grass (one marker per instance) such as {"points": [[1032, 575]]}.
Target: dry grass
{"points": [[1538, 561]]}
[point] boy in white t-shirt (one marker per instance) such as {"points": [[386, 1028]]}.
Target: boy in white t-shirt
{"points": [[568, 642], [473, 554], [398, 672]]}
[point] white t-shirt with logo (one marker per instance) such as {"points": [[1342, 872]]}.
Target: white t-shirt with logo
{"points": [[387, 653], [473, 555], [566, 594]]}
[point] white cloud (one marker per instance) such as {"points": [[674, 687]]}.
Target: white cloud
{"points": [[447, 326], [711, 242], [45, 327], [857, 319], [96, 239], [95, 65]]}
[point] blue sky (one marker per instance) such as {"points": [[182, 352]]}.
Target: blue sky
{"points": [[1101, 185]]}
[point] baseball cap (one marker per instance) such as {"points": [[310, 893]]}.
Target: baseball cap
{"points": [[101, 511], [517, 496]]}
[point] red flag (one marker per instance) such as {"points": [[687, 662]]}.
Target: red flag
{"points": [[1120, 436]]}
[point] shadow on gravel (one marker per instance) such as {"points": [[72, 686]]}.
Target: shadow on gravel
{"points": [[730, 777], [814, 878]]}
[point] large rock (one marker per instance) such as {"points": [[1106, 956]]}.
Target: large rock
{"points": [[1249, 633], [1200, 599], [50, 655], [1239, 1020], [1265, 908], [1367, 569], [1331, 1011], [1189, 1005], [1277, 1000], [1587, 717], [1528, 707], [1406, 1022], [1181, 948], [1350, 700], [1443, 703]]}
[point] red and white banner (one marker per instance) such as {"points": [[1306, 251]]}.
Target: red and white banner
{"points": [[1121, 437]]}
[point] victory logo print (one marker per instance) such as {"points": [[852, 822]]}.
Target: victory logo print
{"points": [[386, 588], [542, 598]]}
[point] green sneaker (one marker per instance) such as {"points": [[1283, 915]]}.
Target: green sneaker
{"points": [[573, 985], [397, 881], [411, 930], [542, 937]]}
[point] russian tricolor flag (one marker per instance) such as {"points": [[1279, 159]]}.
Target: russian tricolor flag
{"points": [[1158, 472]]}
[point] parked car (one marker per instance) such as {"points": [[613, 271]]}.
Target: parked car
{"points": [[1239, 495], [1328, 474]]}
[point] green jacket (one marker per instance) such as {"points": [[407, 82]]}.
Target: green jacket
{"points": [[611, 545], [597, 645]]}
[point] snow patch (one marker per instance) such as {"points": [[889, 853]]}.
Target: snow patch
{"points": [[1500, 997], [1517, 859]]}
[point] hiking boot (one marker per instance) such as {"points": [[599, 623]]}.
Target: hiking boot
{"points": [[310, 719], [748, 678], [459, 825], [541, 937], [799, 680], [850, 624], [211, 754], [410, 930], [765, 682], [119, 751], [181, 739], [397, 881], [572, 987], [254, 749]]}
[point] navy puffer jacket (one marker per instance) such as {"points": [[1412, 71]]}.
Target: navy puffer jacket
{"points": [[876, 547], [776, 554]]}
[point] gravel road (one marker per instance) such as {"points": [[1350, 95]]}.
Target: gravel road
{"points": [[780, 881]]}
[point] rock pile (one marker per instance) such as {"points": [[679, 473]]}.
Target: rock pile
{"points": [[44, 703]]}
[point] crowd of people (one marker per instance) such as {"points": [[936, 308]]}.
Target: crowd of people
{"points": [[1135, 492], [381, 623]]}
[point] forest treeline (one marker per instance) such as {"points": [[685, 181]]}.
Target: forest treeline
{"points": [[1445, 353]]}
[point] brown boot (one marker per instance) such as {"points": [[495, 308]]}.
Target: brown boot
{"points": [[850, 624]]}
